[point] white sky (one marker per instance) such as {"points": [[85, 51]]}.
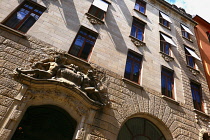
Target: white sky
{"points": [[194, 7]]}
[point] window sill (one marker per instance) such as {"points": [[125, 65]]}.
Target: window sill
{"points": [[132, 83], [93, 19], [140, 12], [165, 26], [201, 113], [12, 31], [167, 57], [187, 39], [193, 70], [137, 42], [170, 99], [77, 59]]}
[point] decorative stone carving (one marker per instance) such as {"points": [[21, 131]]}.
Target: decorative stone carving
{"points": [[166, 57], [4, 134], [68, 75], [96, 135], [137, 42], [80, 134], [194, 71], [93, 19], [15, 115]]}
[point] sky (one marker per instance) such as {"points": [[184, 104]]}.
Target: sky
{"points": [[194, 7]]}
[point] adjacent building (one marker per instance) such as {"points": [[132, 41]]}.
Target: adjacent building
{"points": [[100, 69], [203, 38]]}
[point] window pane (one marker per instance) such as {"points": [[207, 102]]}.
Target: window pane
{"points": [[137, 6], [133, 31], [128, 68], [87, 49], [167, 82], [140, 34], [136, 72], [142, 9], [27, 24], [77, 46]]}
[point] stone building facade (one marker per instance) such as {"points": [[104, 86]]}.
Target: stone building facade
{"points": [[101, 110]]}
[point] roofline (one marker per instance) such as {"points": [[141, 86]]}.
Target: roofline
{"points": [[182, 13]]}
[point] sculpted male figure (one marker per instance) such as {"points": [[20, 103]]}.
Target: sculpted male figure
{"points": [[42, 70]]}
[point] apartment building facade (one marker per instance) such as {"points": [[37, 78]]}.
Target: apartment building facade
{"points": [[203, 38], [100, 69]]}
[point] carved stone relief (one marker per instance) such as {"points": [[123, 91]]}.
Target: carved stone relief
{"points": [[57, 71]]}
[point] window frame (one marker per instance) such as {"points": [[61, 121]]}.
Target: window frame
{"points": [[198, 88], [208, 35], [170, 78], [97, 12], [84, 43], [138, 25], [134, 54], [141, 3], [189, 58], [163, 48], [163, 21], [18, 8]]}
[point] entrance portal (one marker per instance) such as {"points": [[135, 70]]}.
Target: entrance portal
{"points": [[45, 122]]}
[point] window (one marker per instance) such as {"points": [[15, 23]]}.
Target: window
{"points": [[186, 32], [83, 44], [98, 9], [190, 57], [140, 129], [206, 136], [165, 44], [208, 35], [165, 20], [133, 67], [140, 5], [137, 29], [24, 17], [167, 82], [196, 95]]}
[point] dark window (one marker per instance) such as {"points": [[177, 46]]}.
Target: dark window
{"points": [[185, 33], [140, 129], [206, 136], [208, 35], [133, 67], [189, 58], [164, 46], [83, 44], [137, 29], [24, 17], [167, 82], [140, 5], [97, 12], [196, 95], [163, 21]]}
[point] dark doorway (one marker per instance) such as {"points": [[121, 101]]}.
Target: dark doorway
{"points": [[45, 123]]}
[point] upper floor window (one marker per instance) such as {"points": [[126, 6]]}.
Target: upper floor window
{"points": [[165, 44], [140, 5], [24, 17], [167, 82], [196, 95], [186, 33], [133, 67], [98, 9], [190, 57], [83, 44], [165, 20], [137, 29], [208, 35]]}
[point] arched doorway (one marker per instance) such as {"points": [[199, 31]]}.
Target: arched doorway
{"points": [[45, 122], [140, 129]]}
